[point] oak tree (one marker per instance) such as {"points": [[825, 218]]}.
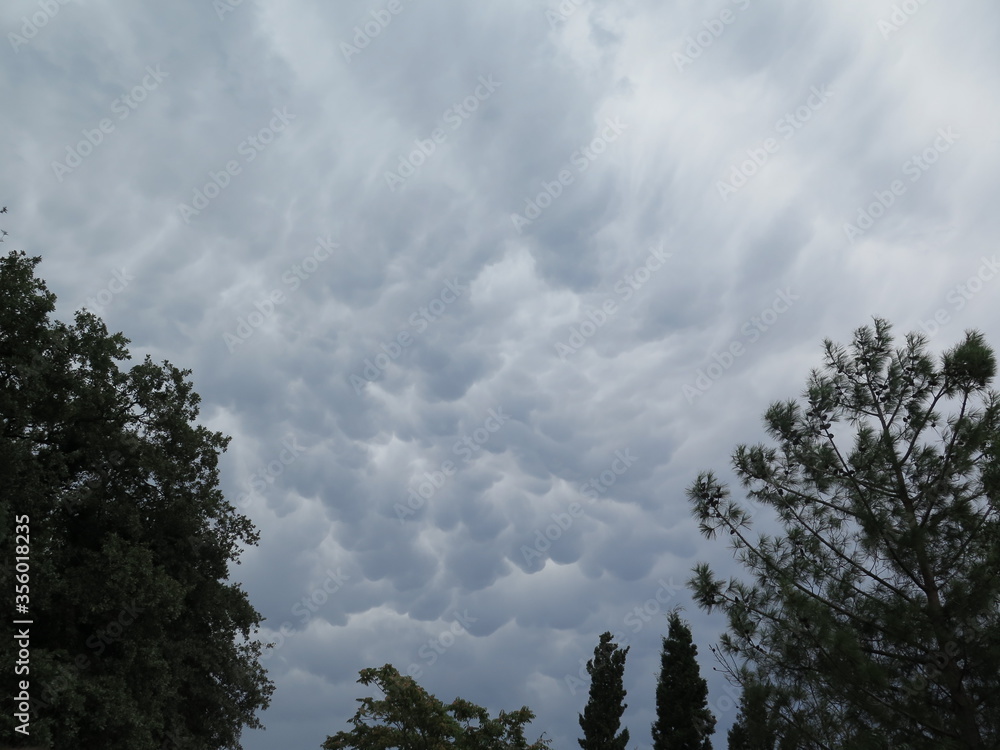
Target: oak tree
{"points": [[407, 717], [137, 641]]}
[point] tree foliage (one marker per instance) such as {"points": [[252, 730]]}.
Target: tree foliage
{"points": [[873, 617], [683, 720], [137, 640], [755, 728], [410, 718], [602, 715]]}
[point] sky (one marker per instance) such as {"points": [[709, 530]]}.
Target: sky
{"points": [[478, 289]]}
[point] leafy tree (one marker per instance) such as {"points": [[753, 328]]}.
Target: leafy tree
{"points": [[602, 715], [137, 640], [410, 718], [683, 720], [874, 618]]}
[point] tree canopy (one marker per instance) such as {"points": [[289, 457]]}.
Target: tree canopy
{"points": [[138, 641], [410, 718], [872, 616]]}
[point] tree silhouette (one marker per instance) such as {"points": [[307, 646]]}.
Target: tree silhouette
{"points": [[873, 618], [683, 720], [601, 716], [136, 638], [410, 718]]}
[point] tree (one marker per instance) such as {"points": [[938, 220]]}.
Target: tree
{"points": [[136, 639], [873, 616], [410, 718], [754, 728], [683, 720], [602, 715]]}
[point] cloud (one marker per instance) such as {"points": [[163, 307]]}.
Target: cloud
{"points": [[389, 359]]}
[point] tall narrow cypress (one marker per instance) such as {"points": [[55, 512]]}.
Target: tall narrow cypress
{"points": [[602, 715], [683, 721], [754, 728]]}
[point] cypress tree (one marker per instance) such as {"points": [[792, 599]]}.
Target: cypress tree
{"points": [[602, 715], [754, 728], [683, 721]]}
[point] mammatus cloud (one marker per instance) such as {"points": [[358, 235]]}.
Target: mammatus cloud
{"points": [[477, 290]]}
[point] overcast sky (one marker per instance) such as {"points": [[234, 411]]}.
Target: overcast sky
{"points": [[478, 288]]}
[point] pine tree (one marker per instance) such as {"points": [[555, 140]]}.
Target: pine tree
{"points": [[602, 715], [874, 616], [683, 720]]}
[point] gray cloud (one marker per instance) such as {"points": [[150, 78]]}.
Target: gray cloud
{"points": [[454, 309]]}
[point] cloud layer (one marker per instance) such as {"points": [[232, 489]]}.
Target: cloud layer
{"points": [[478, 288]]}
